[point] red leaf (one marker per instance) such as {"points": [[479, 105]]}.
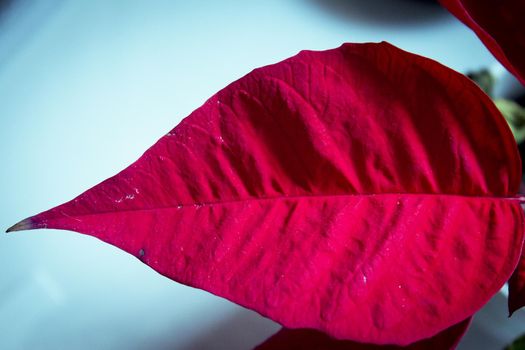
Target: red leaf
{"points": [[361, 191], [499, 25], [309, 339], [517, 287]]}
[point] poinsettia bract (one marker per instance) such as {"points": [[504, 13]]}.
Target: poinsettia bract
{"points": [[363, 191]]}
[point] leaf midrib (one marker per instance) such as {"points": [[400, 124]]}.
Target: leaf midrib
{"points": [[198, 205]]}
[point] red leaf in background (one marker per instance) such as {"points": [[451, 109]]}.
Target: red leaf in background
{"points": [[517, 287], [361, 191], [499, 25], [309, 339]]}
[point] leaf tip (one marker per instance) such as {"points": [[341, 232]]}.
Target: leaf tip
{"points": [[26, 224], [514, 305]]}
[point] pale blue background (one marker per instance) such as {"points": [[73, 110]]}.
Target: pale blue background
{"points": [[87, 86]]}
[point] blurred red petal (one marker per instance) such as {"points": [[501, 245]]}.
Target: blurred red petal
{"points": [[309, 339], [499, 25]]}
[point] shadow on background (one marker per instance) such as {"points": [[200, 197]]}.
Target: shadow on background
{"points": [[242, 331], [396, 12], [4, 7], [20, 22]]}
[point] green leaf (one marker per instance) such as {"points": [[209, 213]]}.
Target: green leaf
{"points": [[515, 116], [518, 344], [484, 79]]}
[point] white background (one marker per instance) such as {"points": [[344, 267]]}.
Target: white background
{"points": [[87, 86]]}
